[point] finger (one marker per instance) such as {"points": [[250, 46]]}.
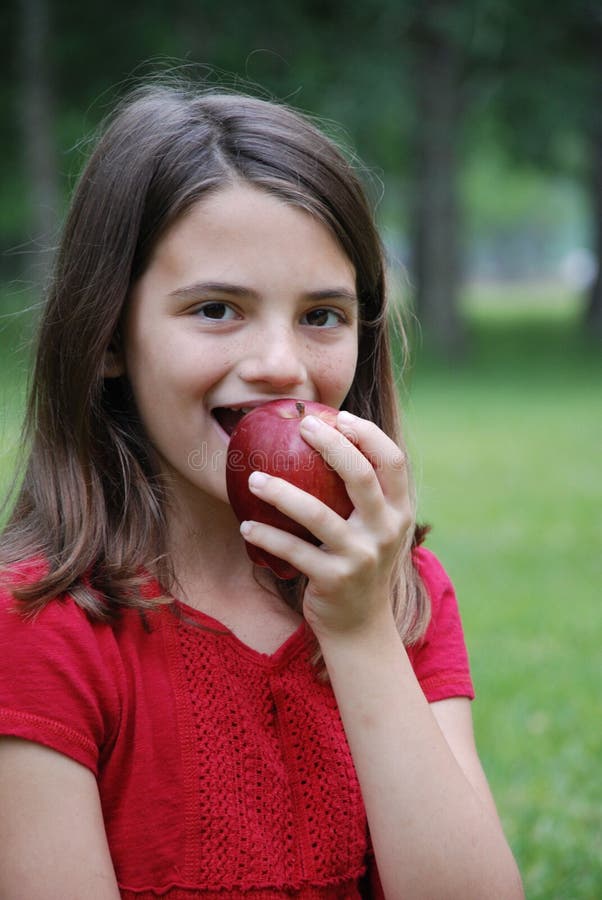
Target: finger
{"points": [[310, 512], [388, 460], [348, 461], [305, 557]]}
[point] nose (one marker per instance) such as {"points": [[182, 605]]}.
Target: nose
{"points": [[274, 359]]}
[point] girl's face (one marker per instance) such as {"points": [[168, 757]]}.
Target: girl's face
{"points": [[246, 299]]}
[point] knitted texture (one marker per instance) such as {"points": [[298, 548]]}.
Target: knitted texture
{"points": [[276, 795], [222, 772]]}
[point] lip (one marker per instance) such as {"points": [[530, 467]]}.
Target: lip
{"points": [[252, 404], [244, 404]]}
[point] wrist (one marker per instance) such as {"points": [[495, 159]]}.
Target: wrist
{"points": [[370, 634]]}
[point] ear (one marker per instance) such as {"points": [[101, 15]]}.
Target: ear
{"points": [[114, 365]]}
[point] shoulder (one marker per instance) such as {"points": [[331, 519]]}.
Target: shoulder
{"points": [[61, 634], [59, 618], [440, 658], [434, 576], [444, 605], [19, 574], [60, 674]]}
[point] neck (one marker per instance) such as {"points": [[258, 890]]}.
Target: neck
{"points": [[215, 575], [204, 540]]}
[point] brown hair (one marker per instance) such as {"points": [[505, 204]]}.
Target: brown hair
{"points": [[91, 503]]}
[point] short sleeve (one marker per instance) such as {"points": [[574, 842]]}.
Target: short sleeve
{"points": [[58, 684], [440, 658]]}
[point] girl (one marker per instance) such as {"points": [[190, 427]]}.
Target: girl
{"points": [[176, 723]]}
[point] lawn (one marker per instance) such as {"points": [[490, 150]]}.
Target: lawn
{"points": [[506, 451]]}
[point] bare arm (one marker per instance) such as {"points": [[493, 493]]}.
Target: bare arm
{"points": [[454, 718], [433, 823], [432, 819], [53, 844]]}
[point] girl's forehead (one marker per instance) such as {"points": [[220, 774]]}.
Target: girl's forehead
{"points": [[237, 201], [242, 226]]}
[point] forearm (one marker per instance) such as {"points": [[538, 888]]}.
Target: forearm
{"points": [[432, 834]]}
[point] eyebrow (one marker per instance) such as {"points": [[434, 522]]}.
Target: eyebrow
{"points": [[191, 291]]}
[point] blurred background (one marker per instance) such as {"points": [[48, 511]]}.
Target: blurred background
{"points": [[480, 124]]}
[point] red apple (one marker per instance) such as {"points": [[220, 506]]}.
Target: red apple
{"points": [[267, 439]]}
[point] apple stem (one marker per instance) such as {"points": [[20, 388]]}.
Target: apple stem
{"points": [[300, 408]]}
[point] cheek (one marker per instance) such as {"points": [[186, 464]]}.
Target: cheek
{"points": [[173, 366], [335, 374]]}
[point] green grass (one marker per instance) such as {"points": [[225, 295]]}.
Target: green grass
{"points": [[506, 452]]}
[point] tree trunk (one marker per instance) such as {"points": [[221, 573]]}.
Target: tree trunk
{"points": [[437, 220], [40, 152]]}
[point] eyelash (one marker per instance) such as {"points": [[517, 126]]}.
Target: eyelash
{"points": [[326, 309], [208, 305], [341, 318]]}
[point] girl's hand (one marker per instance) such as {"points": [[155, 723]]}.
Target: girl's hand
{"points": [[350, 572]]}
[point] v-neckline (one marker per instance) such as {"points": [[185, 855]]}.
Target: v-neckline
{"points": [[297, 639]]}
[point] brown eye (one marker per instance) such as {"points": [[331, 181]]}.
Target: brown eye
{"points": [[323, 318], [215, 310]]}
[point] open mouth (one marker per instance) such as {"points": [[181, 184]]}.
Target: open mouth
{"points": [[228, 417]]}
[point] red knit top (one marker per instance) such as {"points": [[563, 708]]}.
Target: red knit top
{"points": [[222, 772]]}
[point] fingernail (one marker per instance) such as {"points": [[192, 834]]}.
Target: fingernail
{"points": [[310, 423], [258, 479], [245, 527], [346, 419]]}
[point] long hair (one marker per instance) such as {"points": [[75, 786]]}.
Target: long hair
{"points": [[92, 503]]}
